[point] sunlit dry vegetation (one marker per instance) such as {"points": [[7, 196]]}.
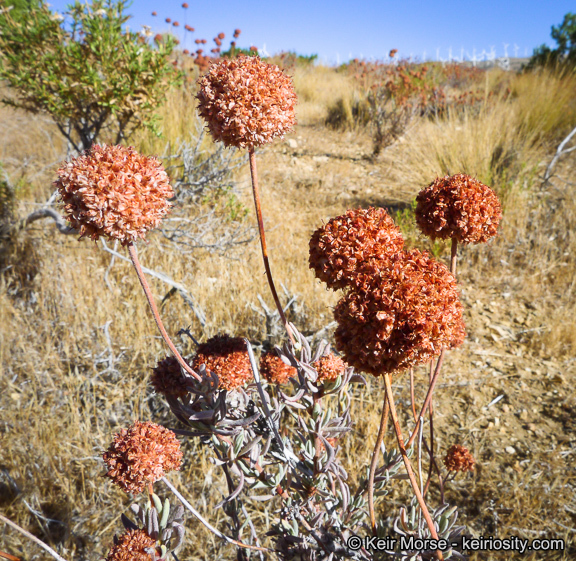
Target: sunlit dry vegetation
{"points": [[77, 344]]}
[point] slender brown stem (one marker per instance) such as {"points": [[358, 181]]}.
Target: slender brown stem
{"points": [[428, 398], [409, 470], [412, 398], [5, 555], [136, 262], [431, 449], [31, 537], [453, 252], [256, 192], [374, 462]]}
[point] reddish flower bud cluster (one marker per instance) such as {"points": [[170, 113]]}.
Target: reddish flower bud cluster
{"points": [[168, 379], [131, 546], [345, 242], [459, 458], [329, 367], [458, 207], [142, 454], [237, 33], [246, 102], [188, 28], [115, 192], [176, 24], [168, 20], [185, 5], [275, 370], [228, 358], [402, 311]]}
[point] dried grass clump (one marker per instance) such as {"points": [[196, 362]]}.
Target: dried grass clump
{"points": [[142, 454], [458, 207], [339, 248], [132, 546], [459, 458], [401, 312], [275, 370], [114, 191], [228, 358], [167, 378], [246, 102]]}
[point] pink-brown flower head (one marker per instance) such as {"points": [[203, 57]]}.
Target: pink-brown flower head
{"points": [[329, 367], [458, 207], [168, 378], [228, 358], [115, 192], [339, 248], [402, 311], [131, 546], [142, 454], [459, 458], [275, 370], [246, 102]]}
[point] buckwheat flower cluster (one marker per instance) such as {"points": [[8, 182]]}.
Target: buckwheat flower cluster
{"points": [[458, 207], [246, 102], [339, 248], [228, 358], [401, 312], [329, 367], [142, 454], [115, 192], [459, 458], [168, 379], [275, 370], [131, 546]]}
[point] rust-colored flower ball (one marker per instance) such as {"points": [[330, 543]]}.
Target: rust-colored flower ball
{"points": [[132, 546], [458, 207], [329, 367], [142, 454], [401, 312], [246, 102], [114, 191], [168, 379], [275, 370], [168, 20], [459, 458], [185, 5], [339, 248], [154, 14], [176, 24], [228, 358]]}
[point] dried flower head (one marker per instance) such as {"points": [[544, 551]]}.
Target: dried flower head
{"points": [[115, 192], [329, 367], [142, 454], [228, 358], [459, 207], [340, 247], [459, 458], [275, 370], [132, 546], [401, 312], [246, 102], [168, 378]]}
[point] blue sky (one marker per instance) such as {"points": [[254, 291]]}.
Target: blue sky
{"points": [[337, 30]]}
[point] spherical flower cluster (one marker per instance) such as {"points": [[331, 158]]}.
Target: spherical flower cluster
{"points": [[275, 370], [142, 454], [228, 358], [115, 192], [329, 367], [339, 248], [401, 312], [131, 546], [459, 458], [246, 102], [458, 207], [168, 379]]}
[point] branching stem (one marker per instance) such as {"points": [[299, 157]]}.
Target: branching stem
{"points": [[409, 470], [136, 262], [374, 462], [256, 192]]}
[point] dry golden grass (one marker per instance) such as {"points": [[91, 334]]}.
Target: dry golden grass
{"points": [[60, 405]]}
